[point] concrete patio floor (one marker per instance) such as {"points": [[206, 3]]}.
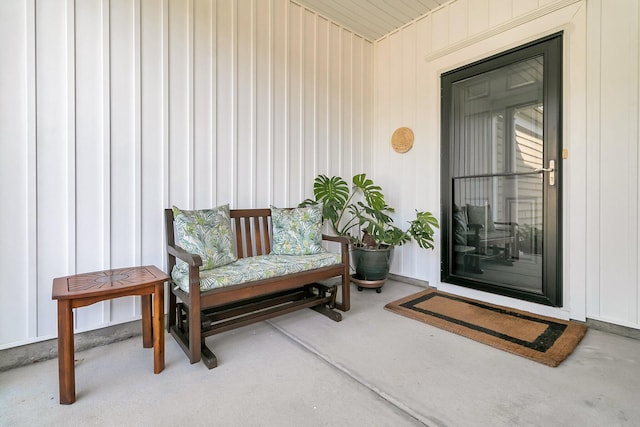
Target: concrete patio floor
{"points": [[374, 368]]}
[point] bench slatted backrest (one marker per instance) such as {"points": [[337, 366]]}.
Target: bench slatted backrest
{"points": [[252, 230]]}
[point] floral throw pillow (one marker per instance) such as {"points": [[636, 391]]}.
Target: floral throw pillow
{"points": [[207, 233], [297, 231]]}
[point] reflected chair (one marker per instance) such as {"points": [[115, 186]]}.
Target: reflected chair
{"points": [[478, 236]]}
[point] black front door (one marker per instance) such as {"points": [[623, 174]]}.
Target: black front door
{"points": [[501, 173]]}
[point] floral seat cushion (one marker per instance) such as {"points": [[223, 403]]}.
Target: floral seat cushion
{"points": [[254, 268]]}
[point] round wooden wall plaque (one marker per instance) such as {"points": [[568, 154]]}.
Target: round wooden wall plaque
{"points": [[402, 139]]}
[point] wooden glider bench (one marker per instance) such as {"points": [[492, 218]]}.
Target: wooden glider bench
{"points": [[198, 313]]}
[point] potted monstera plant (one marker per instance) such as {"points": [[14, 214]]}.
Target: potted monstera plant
{"points": [[361, 213]]}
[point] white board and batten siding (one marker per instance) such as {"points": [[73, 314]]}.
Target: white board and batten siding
{"points": [[112, 110], [601, 112]]}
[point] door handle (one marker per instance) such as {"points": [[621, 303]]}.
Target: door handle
{"points": [[552, 171]]}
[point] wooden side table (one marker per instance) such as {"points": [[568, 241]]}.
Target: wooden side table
{"points": [[86, 289]]}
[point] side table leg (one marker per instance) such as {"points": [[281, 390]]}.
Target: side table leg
{"points": [[66, 368], [158, 328], [147, 332]]}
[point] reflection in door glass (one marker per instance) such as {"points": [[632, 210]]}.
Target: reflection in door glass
{"points": [[497, 233], [497, 190]]}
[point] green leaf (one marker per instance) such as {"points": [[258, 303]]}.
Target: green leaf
{"points": [[333, 193], [307, 202], [422, 229], [372, 193]]}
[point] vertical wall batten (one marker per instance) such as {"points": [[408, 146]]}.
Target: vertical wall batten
{"points": [[213, 96], [339, 77], [71, 140], [137, 194], [271, 101], [327, 104], [71, 131], [362, 102], [637, 133], [254, 106], [166, 99], [268, 56], [634, 136], [314, 116], [137, 138], [592, 211], [309, 110], [233, 128], [106, 133], [301, 69], [166, 123], [286, 103], [31, 171], [190, 99], [634, 124], [106, 147], [348, 55]]}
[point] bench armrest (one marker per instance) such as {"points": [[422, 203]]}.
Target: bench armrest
{"points": [[192, 259], [340, 239]]}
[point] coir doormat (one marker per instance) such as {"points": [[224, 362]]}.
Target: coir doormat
{"points": [[543, 339]]}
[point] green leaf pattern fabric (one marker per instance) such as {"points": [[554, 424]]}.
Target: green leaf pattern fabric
{"points": [[253, 268], [206, 233], [297, 231]]}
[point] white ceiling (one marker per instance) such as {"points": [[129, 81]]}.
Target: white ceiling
{"points": [[372, 19]]}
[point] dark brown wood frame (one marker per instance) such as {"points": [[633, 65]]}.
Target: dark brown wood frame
{"points": [[195, 315]]}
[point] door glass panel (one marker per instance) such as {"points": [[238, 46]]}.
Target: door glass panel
{"points": [[497, 154], [501, 242]]}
